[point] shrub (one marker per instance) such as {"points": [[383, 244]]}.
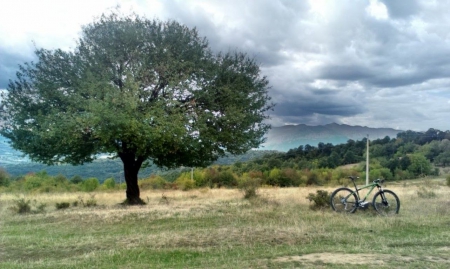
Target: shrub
{"points": [[21, 206], [250, 187], [153, 182], [62, 205], [109, 183], [313, 179], [185, 183], [226, 178], [90, 184], [24, 206], [76, 180], [320, 200], [447, 180]]}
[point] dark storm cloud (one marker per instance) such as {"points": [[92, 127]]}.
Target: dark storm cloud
{"points": [[259, 28], [9, 65]]}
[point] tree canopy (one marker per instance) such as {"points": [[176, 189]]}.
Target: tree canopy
{"points": [[139, 90]]}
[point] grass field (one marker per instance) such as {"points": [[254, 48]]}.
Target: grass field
{"points": [[217, 228]]}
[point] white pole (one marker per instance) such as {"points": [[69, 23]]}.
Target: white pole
{"points": [[367, 162], [192, 173]]}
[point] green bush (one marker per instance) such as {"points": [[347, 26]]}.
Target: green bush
{"points": [[185, 183], [76, 180], [90, 184], [447, 180], [225, 179], [153, 182], [320, 200], [109, 183]]}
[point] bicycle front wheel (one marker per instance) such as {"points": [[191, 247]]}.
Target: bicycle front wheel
{"points": [[344, 200], [386, 203]]}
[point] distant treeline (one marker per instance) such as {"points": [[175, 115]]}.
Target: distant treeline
{"points": [[409, 155]]}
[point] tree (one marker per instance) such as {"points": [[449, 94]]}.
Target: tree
{"points": [[138, 90]]}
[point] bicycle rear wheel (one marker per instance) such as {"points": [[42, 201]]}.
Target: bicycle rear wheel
{"points": [[344, 200], [386, 203]]}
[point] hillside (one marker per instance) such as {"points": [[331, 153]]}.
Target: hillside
{"points": [[291, 136]]}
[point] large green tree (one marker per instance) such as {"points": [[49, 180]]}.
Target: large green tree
{"points": [[139, 90]]}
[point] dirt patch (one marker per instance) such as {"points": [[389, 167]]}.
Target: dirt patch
{"points": [[359, 259]]}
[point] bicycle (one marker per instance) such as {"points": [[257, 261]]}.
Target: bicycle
{"points": [[385, 202]]}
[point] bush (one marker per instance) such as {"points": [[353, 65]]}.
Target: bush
{"points": [[62, 205], [21, 206], [109, 183], [153, 182], [90, 184], [447, 180], [250, 187], [225, 179], [320, 200], [24, 206], [76, 180], [185, 183]]}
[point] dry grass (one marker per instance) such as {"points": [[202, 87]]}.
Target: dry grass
{"points": [[217, 228]]}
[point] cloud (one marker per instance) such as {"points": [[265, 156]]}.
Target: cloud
{"points": [[376, 63]]}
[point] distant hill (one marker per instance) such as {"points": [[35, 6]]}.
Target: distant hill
{"points": [[292, 136]]}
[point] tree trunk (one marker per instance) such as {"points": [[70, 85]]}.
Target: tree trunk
{"points": [[131, 166]]}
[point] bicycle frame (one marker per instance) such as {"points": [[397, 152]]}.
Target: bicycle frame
{"points": [[371, 186]]}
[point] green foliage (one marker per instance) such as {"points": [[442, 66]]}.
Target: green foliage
{"points": [[320, 200], [153, 182], [76, 180], [184, 182], [447, 180], [90, 184], [419, 165], [109, 183]]}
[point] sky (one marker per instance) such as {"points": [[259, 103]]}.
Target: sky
{"points": [[375, 63]]}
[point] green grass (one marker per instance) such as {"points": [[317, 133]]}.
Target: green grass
{"points": [[220, 229]]}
